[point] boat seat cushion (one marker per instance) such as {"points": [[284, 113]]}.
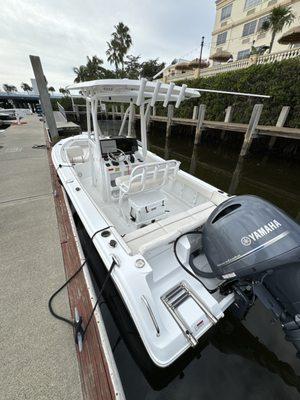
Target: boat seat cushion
{"points": [[168, 229]]}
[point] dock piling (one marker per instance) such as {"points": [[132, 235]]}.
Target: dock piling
{"points": [[169, 121], [200, 121], [253, 122], [195, 112], [227, 119], [280, 123], [228, 114]]}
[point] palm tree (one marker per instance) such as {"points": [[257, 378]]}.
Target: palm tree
{"points": [[9, 88], [63, 91], [113, 54], [280, 17], [122, 36], [94, 68], [26, 87], [51, 89], [81, 73]]}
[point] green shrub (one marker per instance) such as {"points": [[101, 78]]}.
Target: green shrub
{"points": [[281, 80]]}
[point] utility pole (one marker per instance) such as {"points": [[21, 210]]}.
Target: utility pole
{"points": [[201, 49]]}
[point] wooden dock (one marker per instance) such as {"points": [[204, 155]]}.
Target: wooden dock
{"points": [[39, 249], [65, 127], [250, 131], [99, 376]]}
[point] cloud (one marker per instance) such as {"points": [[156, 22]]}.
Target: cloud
{"points": [[64, 32]]}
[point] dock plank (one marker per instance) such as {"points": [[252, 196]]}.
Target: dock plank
{"points": [[95, 377]]}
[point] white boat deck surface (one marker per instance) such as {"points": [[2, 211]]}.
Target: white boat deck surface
{"points": [[38, 357]]}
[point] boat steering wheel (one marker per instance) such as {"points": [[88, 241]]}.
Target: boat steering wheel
{"points": [[117, 155]]}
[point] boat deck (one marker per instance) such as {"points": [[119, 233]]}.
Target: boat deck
{"points": [[39, 358]]}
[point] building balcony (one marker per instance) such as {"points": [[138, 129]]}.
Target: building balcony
{"points": [[235, 65]]}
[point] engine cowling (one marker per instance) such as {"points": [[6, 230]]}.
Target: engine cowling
{"points": [[256, 247], [246, 235]]}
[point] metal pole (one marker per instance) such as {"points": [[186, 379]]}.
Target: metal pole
{"points": [[44, 95], [201, 50]]}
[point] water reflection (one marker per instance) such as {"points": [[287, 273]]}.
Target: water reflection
{"points": [[236, 176], [229, 337], [194, 159]]}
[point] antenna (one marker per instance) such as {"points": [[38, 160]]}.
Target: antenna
{"points": [[232, 93]]}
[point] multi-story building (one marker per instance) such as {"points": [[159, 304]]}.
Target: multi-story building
{"points": [[238, 26], [236, 31]]}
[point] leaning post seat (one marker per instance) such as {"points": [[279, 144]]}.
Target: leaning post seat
{"points": [[146, 177]]}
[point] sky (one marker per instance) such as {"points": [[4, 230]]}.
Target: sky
{"points": [[64, 32]]}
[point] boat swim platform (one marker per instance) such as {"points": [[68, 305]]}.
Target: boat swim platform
{"points": [[39, 250]]}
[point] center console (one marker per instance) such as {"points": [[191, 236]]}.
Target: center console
{"points": [[115, 166]]}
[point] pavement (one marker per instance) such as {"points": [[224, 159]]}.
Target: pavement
{"points": [[38, 357]]}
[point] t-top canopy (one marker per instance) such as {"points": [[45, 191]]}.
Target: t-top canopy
{"points": [[136, 91]]}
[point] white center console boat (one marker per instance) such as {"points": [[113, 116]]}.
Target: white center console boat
{"points": [[178, 258]]}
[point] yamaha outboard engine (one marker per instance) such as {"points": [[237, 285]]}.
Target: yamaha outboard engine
{"points": [[255, 246]]}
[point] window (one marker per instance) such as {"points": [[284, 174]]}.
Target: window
{"points": [[249, 28], [243, 54], [226, 12], [251, 3], [221, 38], [261, 22]]}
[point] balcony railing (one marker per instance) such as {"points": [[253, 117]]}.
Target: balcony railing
{"points": [[235, 65]]}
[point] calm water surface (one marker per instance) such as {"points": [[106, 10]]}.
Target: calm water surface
{"points": [[237, 360]]}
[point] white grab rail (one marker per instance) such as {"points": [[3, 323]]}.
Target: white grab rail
{"points": [[147, 177]]}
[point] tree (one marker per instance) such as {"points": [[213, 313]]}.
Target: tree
{"points": [[9, 88], [26, 87], [151, 67], [280, 17], [132, 67], [64, 91], [51, 89], [118, 46], [81, 74], [92, 70], [124, 39], [113, 54]]}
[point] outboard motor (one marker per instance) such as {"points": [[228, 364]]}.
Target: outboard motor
{"points": [[255, 246]]}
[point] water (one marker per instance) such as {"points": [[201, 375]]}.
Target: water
{"points": [[236, 360]]}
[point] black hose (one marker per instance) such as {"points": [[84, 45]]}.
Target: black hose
{"points": [[99, 295], [78, 325], [68, 321], [184, 267]]}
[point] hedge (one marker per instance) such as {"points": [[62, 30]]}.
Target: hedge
{"points": [[280, 80]]}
